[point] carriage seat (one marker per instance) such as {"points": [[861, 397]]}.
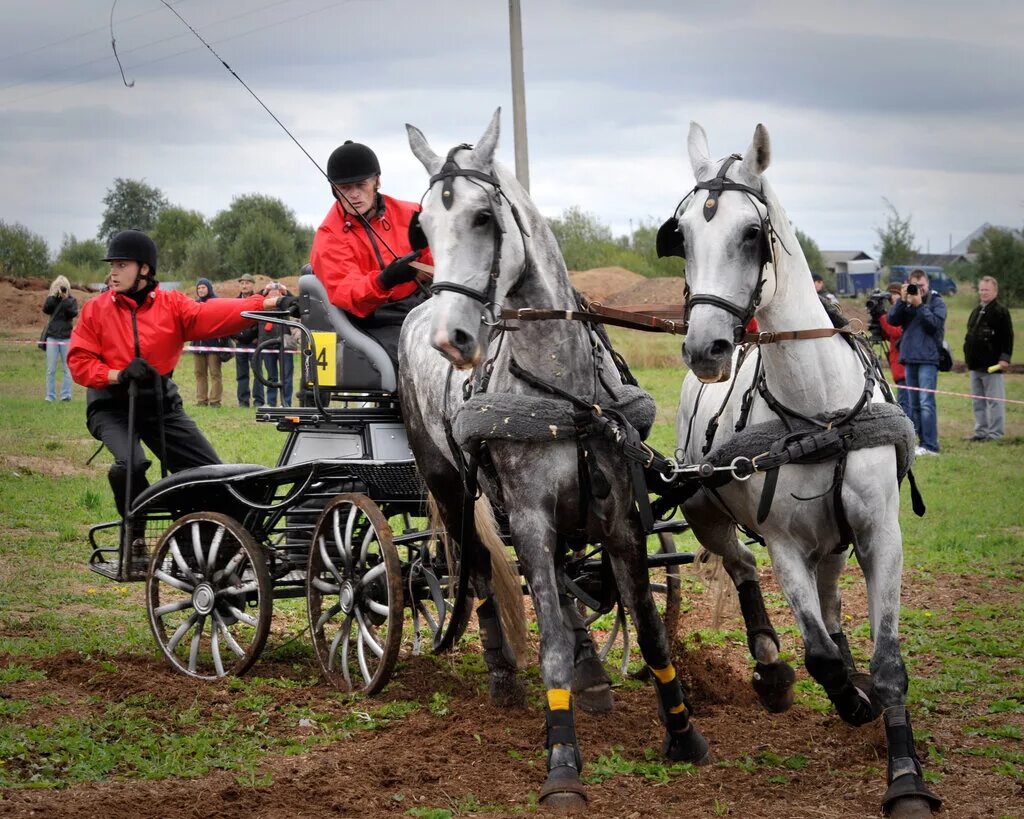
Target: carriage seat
{"points": [[362, 363], [201, 476]]}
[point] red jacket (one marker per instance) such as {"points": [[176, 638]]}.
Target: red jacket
{"points": [[343, 257], [892, 335], [104, 340]]}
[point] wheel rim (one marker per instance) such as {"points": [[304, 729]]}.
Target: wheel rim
{"points": [[208, 596], [354, 595]]}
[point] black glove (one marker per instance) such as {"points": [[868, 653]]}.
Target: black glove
{"points": [[288, 304], [399, 271], [138, 369]]}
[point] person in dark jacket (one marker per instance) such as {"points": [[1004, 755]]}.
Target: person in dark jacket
{"points": [[271, 355], [899, 372], [62, 308], [209, 385], [246, 339], [988, 347], [922, 315], [135, 333]]}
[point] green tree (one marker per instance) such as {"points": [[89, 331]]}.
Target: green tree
{"points": [[202, 257], [249, 208], [80, 261], [130, 204], [812, 253], [896, 239], [644, 245], [22, 252], [262, 248], [584, 241], [1001, 256], [173, 230]]}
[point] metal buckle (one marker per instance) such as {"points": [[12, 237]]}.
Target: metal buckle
{"points": [[765, 337]]}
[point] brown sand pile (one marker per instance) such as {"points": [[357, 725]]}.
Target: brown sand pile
{"points": [[664, 290], [601, 283]]}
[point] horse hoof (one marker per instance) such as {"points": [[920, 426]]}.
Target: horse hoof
{"points": [[854, 703], [595, 700], [773, 683], [563, 792], [688, 746], [910, 807], [507, 691]]}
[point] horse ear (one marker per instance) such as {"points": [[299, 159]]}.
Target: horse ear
{"points": [[759, 155], [697, 144], [488, 143], [422, 151]]}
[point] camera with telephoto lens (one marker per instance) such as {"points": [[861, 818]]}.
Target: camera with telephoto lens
{"points": [[911, 289], [877, 305]]}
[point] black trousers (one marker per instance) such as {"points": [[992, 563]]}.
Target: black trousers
{"points": [[186, 444]]}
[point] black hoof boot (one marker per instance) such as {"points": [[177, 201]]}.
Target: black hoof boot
{"points": [[563, 792], [686, 746], [773, 683], [591, 686], [908, 796], [853, 705]]}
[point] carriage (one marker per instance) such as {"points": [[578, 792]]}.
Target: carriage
{"points": [[342, 520]]}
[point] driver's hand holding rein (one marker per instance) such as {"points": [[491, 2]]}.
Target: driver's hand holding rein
{"points": [[134, 332]]}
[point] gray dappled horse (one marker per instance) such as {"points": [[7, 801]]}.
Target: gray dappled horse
{"points": [[743, 259], [492, 248]]}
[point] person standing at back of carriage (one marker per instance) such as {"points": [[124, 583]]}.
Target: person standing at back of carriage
{"points": [[922, 315], [361, 251], [134, 332]]}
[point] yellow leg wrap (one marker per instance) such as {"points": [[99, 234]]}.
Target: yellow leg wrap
{"points": [[679, 709], [558, 699], [664, 675]]}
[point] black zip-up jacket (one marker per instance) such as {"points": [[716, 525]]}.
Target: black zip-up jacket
{"points": [[989, 338], [62, 312]]}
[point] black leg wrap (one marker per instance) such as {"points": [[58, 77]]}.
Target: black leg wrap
{"points": [[755, 616], [497, 652], [844, 648], [904, 773], [561, 730], [683, 742], [853, 705]]}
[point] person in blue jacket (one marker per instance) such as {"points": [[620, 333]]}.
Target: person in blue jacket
{"points": [[922, 315]]}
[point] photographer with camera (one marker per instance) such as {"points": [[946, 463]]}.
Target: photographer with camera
{"points": [[922, 315], [878, 305], [62, 308]]}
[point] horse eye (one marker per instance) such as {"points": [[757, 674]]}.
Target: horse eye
{"points": [[751, 233], [482, 218]]}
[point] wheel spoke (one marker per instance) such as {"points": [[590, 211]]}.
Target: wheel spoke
{"points": [[238, 614], [218, 664], [180, 631], [342, 541], [377, 608], [180, 585], [179, 561], [367, 637], [197, 546], [328, 563], [323, 586], [193, 654], [211, 559], [229, 569], [364, 548], [350, 525], [343, 637], [245, 588], [232, 643], [169, 608], [371, 575], [327, 615]]}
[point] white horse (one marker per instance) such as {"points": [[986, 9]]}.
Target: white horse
{"points": [[743, 259]]}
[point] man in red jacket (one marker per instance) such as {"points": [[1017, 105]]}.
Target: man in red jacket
{"points": [[362, 252], [135, 332]]}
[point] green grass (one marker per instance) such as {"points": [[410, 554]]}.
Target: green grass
{"points": [[963, 660]]}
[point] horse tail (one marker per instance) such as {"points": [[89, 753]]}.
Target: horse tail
{"points": [[505, 582], [439, 534], [710, 568]]}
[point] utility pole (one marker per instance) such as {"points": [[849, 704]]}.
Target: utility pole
{"points": [[515, 23]]}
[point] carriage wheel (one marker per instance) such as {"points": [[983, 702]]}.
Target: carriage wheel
{"points": [[439, 593], [354, 595], [665, 587], [209, 596]]}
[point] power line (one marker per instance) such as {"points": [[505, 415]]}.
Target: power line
{"points": [[143, 47]]}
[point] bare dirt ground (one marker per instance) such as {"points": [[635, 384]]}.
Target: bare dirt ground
{"points": [[423, 760]]}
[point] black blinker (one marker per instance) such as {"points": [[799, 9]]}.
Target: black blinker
{"points": [[417, 238], [669, 241]]}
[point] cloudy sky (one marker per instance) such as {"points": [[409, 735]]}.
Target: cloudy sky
{"points": [[917, 101]]}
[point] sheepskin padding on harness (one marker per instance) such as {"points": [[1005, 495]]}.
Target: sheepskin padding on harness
{"points": [[535, 419], [875, 425]]}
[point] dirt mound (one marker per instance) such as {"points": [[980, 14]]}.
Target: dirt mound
{"points": [[23, 304], [663, 290], [601, 283]]}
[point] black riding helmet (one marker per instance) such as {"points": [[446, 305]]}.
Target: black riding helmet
{"points": [[134, 246], [352, 162]]}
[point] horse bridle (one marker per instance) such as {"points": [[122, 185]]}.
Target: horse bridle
{"points": [[670, 243], [447, 175]]}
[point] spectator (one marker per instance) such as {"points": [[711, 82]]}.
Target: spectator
{"points": [[135, 332], [899, 372], [62, 308], [270, 354], [362, 252], [823, 294], [244, 362], [922, 315], [209, 385], [988, 346]]}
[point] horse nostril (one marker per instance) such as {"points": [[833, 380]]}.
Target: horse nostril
{"points": [[461, 338], [720, 347]]}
